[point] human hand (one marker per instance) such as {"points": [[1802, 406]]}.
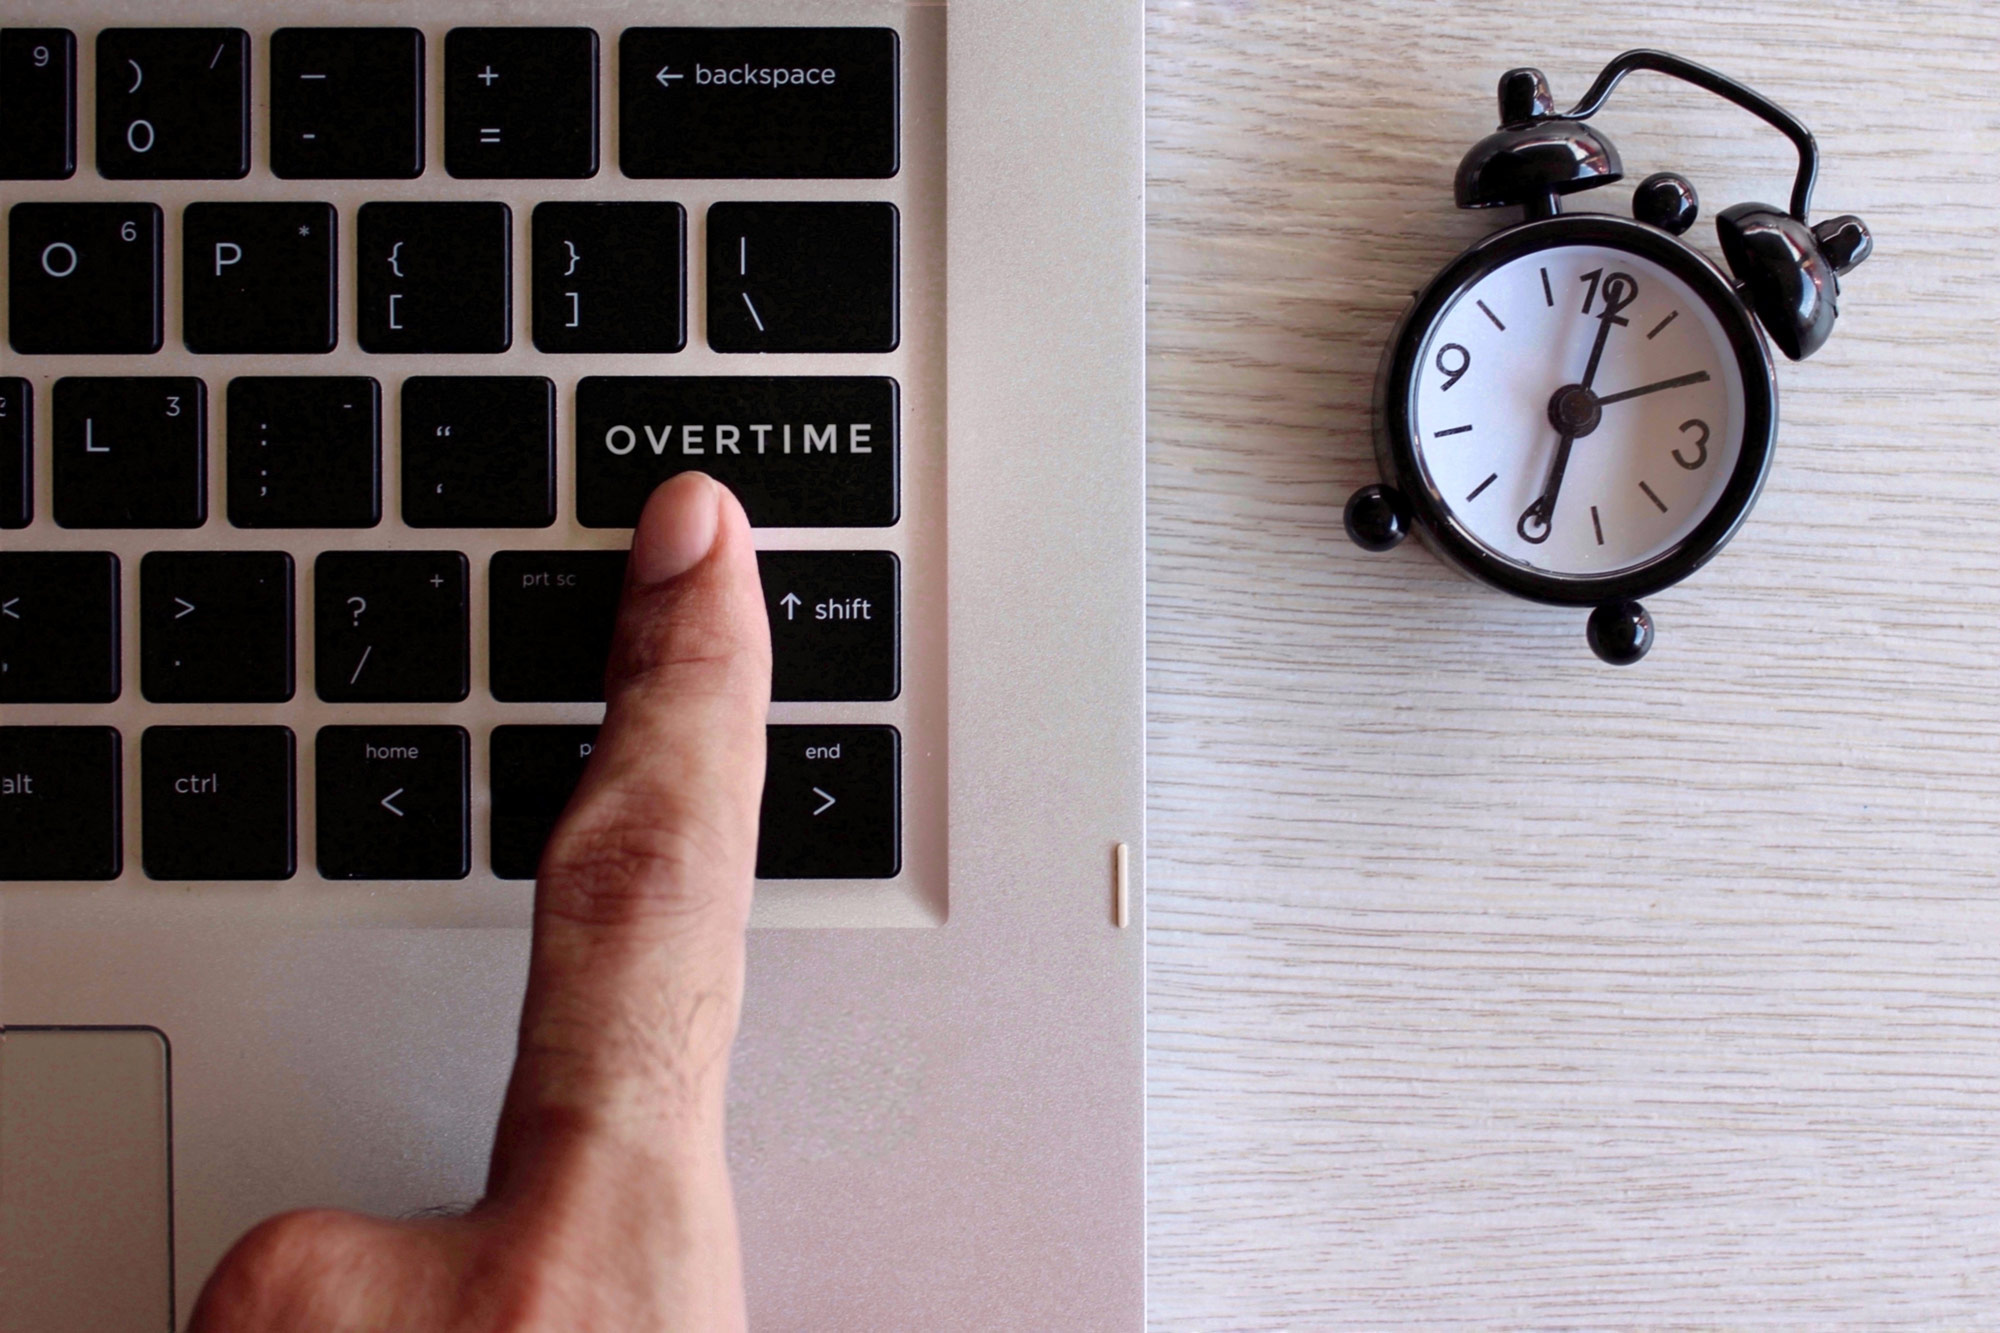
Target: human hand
{"points": [[607, 1205]]}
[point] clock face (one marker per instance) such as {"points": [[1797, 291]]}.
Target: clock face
{"points": [[1578, 410]]}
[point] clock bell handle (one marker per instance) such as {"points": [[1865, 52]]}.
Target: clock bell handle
{"points": [[1663, 62]]}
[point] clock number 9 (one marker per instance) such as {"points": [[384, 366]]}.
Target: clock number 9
{"points": [[1700, 445], [1453, 374]]}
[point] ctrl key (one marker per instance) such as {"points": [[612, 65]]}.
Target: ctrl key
{"points": [[59, 803], [394, 803], [218, 803]]}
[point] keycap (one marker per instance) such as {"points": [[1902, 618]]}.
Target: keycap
{"points": [[802, 277], [391, 627], [479, 451], [305, 452], [834, 624], [84, 278], [535, 770], [173, 103], [758, 102], [58, 627], [215, 627], [520, 103], [803, 452], [61, 791], [347, 103], [258, 278], [551, 615], [393, 803], [610, 277], [131, 453], [435, 277], [832, 804], [218, 803], [37, 104], [17, 453]]}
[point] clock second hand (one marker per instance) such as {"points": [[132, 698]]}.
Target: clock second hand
{"points": [[1619, 292]]}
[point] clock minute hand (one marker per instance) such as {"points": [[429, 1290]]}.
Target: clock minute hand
{"points": [[1699, 377], [1619, 292]]}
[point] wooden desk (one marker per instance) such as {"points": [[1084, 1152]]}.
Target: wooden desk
{"points": [[1491, 985]]}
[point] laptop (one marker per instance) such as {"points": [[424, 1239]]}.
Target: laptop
{"points": [[342, 344]]}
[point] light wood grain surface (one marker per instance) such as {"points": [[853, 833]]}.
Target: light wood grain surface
{"points": [[1489, 985]]}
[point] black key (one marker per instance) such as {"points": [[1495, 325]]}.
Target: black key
{"points": [[520, 103], [393, 803], [610, 277], [347, 103], [58, 627], [215, 627], [131, 453], [834, 624], [435, 277], [37, 104], [17, 453], [832, 804], [305, 453], [84, 278], [479, 451], [218, 802], [61, 792], [258, 277], [391, 627], [799, 452], [534, 772], [758, 102], [551, 615], [811, 277], [173, 103]]}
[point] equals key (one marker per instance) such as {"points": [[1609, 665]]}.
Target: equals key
{"points": [[391, 627]]}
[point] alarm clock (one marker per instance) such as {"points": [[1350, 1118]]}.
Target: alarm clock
{"points": [[1580, 409]]}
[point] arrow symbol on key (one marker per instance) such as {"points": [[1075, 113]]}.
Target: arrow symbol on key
{"points": [[389, 803], [824, 796], [7, 608], [186, 608], [790, 601], [666, 77]]}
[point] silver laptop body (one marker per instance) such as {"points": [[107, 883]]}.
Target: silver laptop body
{"points": [[937, 1110]]}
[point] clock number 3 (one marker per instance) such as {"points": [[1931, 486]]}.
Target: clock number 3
{"points": [[1453, 374], [1700, 445]]}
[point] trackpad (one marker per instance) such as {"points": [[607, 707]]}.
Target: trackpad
{"points": [[86, 1203]]}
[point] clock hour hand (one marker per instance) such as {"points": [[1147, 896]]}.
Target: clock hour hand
{"points": [[1699, 377]]}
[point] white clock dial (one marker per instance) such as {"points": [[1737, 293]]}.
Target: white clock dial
{"points": [[1658, 420]]}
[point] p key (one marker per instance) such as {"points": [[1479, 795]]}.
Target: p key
{"points": [[84, 278], [173, 103], [258, 277]]}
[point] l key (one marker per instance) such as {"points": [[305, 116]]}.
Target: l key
{"points": [[131, 453]]}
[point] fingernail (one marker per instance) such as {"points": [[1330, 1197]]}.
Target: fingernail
{"points": [[677, 528]]}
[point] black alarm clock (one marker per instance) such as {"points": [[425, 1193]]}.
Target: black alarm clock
{"points": [[1580, 409]]}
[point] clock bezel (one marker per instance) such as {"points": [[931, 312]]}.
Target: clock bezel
{"points": [[1435, 521]]}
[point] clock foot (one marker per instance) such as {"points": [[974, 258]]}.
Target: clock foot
{"points": [[1620, 632], [1377, 518]]}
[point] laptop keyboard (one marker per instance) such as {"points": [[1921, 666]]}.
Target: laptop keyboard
{"points": [[369, 637]]}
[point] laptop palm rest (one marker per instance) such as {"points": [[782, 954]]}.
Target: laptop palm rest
{"points": [[86, 1203]]}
